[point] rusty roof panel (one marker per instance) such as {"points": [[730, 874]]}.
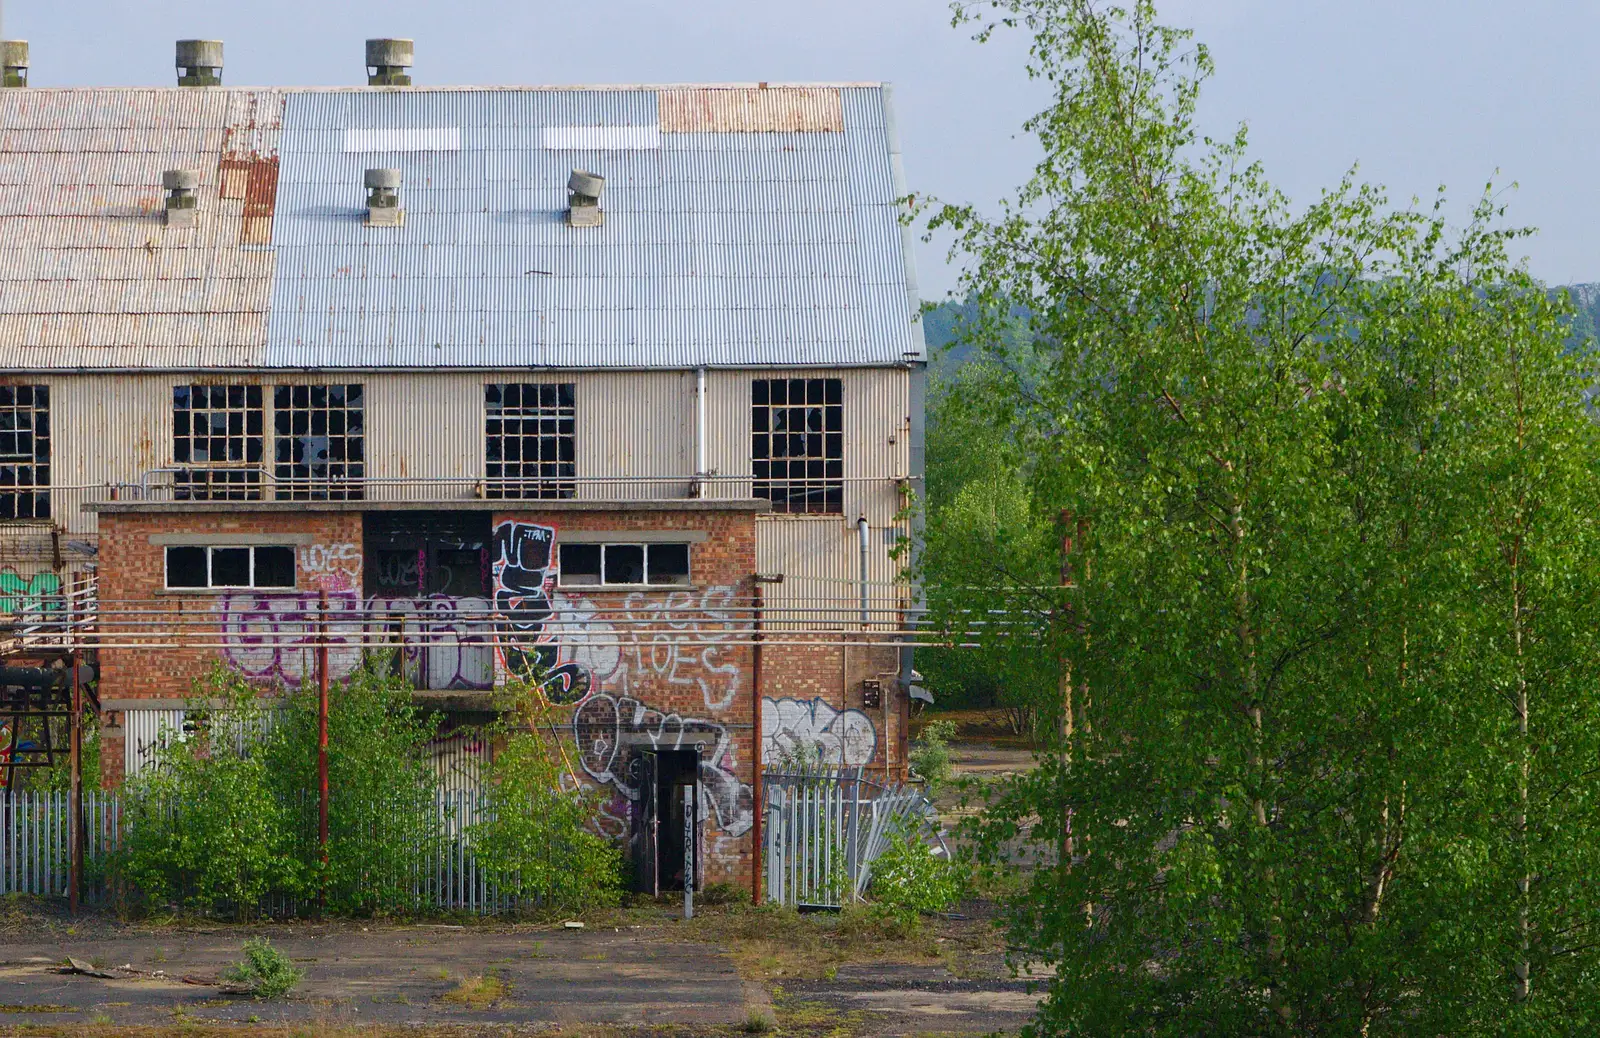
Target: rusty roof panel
{"points": [[759, 227], [90, 274], [752, 110]]}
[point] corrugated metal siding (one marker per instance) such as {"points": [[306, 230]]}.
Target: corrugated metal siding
{"points": [[424, 428], [638, 424], [143, 732], [820, 559], [90, 275], [768, 236]]}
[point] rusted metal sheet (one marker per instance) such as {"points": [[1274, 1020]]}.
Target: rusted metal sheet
{"points": [[752, 110], [90, 274]]}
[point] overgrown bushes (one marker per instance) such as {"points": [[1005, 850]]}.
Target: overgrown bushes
{"points": [[535, 842], [225, 819]]}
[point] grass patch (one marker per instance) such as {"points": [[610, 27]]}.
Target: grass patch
{"points": [[265, 972], [477, 992], [771, 942]]}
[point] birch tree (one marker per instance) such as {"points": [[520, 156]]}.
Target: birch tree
{"points": [[1330, 744]]}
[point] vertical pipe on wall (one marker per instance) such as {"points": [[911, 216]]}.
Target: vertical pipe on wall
{"points": [[75, 809], [701, 464], [865, 533], [322, 732]]}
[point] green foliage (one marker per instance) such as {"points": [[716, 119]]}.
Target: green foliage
{"points": [[265, 970], [909, 879], [381, 808], [202, 824], [930, 754], [1335, 750], [538, 841]]}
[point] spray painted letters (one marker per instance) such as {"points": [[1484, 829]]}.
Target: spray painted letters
{"points": [[813, 729]]}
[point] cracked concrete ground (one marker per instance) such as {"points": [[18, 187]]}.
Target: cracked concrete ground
{"points": [[631, 976]]}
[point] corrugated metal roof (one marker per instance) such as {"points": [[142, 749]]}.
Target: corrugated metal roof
{"points": [[744, 226]]}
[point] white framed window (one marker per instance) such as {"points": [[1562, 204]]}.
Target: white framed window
{"points": [[228, 566], [624, 564]]}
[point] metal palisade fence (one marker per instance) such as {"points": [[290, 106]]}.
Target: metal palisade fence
{"points": [[35, 853], [825, 826]]}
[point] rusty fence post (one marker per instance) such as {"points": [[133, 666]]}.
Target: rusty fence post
{"points": [[322, 737]]}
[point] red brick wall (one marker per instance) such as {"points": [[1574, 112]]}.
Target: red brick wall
{"points": [[690, 677]]}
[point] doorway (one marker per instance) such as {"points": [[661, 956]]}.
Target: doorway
{"points": [[427, 576], [664, 776]]}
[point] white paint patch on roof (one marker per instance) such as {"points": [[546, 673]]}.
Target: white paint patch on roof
{"points": [[442, 138], [602, 138]]}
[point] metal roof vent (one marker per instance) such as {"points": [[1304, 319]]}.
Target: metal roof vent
{"points": [[383, 199], [389, 62], [584, 203], [14, 58], [199, 62], [182, 202]]}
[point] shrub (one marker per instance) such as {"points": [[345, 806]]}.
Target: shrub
{"points": [[538, 841], [264, 970], [381, 812], [909, 879], [930, 755], [202, 825]]}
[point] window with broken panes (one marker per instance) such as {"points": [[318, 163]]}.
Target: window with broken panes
{"points": [[319, 442], [24, 452], [530, 441], [216, 442], [797, 443], [594, 565], [219, 566]]}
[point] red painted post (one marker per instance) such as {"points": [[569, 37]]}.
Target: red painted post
{"points": [[76, 804], [322, 728], [755, 752]]}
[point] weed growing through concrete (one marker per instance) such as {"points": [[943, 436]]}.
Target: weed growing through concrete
{"points": [[479, 992], [264, 970]]}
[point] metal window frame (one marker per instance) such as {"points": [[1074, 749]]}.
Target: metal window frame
{"points": [[521, 486], [211, 585], [341, 480], [805, 494], [685, 543], [24, 495]]}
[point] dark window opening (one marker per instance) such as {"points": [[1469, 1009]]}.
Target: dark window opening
{"points": [[216, 442], [530, 440], [590, 565], [797, 443], [580, 564], [24, 452], [266, 566], [319, 447]]}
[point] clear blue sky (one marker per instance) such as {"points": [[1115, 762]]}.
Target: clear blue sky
{"points": [[1420, 92]]}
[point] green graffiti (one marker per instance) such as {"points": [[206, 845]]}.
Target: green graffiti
{"points": [[26, 594]]}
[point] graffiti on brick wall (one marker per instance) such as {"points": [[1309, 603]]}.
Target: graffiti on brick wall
{"points": [[524, 572], [812, 729], [273, 637], [335, 567], [28, 596], [6, 742], [605, 663], [607, 726]]}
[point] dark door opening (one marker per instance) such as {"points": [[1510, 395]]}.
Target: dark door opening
{"points": [[427, 576], [664, 775]]}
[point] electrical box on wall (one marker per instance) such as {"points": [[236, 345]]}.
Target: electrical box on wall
{"points": [[871, 694]]}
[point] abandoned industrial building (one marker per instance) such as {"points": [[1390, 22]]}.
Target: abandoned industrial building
{"points": [[621, 386]]}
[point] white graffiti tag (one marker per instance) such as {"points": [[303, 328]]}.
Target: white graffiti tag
{"points": [[799, 727]]}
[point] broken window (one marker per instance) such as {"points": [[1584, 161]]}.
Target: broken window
{"points": [[590, 565], [227, 566], [24, 452], [531, 442], [797, 443], [216, 442], [319, 447]]}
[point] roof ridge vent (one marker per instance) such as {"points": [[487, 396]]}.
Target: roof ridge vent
{"points": [[389, 62], [182, 200], [199, 62], [14, 59], [583, 209], [383, 198]]}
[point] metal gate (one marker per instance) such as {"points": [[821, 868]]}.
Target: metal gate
{"points": [[824, 828]]}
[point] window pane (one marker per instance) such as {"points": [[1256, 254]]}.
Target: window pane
{"points": [[669, 563], [186, 567], [530, 440], [230, 567], [580, 564], [624, 564], [274, 566]]}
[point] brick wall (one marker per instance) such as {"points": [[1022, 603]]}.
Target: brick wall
{"points": [[688, 679]]}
